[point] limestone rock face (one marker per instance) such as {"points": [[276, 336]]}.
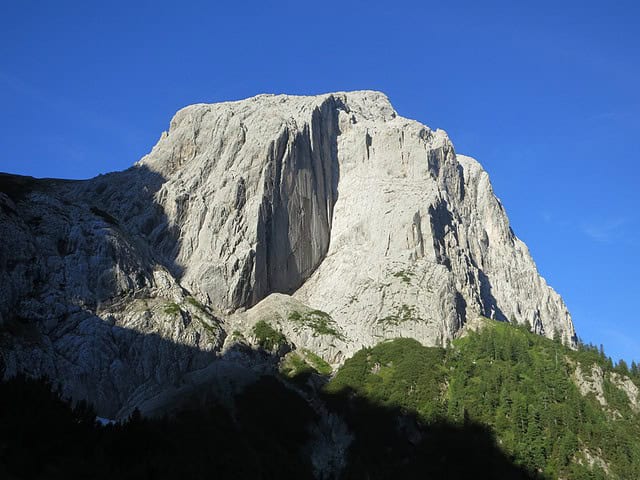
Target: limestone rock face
{"points": [[330, 217], [249, 192]]}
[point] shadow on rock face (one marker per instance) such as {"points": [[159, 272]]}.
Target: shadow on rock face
{"points": [[65, 242], [294, 224]]}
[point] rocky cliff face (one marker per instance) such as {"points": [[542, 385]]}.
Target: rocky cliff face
{"points": [[332, 218]]}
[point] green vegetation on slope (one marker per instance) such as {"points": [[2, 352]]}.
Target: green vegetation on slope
{"points": [[404, 313], [320, 322], [405, 275], [519, 384], [194, 302], [301, 363], [268, 338], [317, 362], [399, 373], [172, 308]]}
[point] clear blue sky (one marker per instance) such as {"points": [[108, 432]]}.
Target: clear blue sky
{"points": [[545, 95]]}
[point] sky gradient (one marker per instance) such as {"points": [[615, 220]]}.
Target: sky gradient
{"points": [[544, 95]]}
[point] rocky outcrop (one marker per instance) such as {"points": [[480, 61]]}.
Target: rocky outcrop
{"points": [[331, 217], [592, 383], [630, 389]]}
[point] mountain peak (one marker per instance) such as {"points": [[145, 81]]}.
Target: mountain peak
{"points": [[329, 220]]}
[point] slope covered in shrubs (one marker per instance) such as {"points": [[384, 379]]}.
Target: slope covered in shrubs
{"points": [[520, 385]]}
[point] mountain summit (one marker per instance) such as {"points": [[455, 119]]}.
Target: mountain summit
{"points": [[320, 224]]}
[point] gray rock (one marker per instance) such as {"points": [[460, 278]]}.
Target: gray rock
{"points": [[332, 217]]}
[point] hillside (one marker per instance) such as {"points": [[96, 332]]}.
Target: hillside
{"points": [[499, 403], [556, 411]]}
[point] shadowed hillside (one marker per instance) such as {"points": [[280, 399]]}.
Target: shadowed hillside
{"points": [[269, 433], [499, 403]]}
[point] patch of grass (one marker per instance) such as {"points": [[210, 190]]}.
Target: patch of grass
{"points": [[295, 316], [237, 335], [403, 314], [172, 308], [193, 301], [318, 363], [211, 330], [404, 275], [268, 337], [303, 363], [320, 322], [294, 365]]}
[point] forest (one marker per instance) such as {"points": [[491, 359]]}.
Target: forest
{"points": [[498, 403]]}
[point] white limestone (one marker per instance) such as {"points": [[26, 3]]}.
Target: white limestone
{"points": [[258, 209]]}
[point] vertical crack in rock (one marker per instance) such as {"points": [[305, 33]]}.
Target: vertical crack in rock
{"points": [[300, 190], [441, 220]]}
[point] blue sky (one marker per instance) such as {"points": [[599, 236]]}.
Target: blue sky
{"points": [[544, 95]]}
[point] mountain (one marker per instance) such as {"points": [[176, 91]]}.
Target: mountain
{"points": [[310, 226]]}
